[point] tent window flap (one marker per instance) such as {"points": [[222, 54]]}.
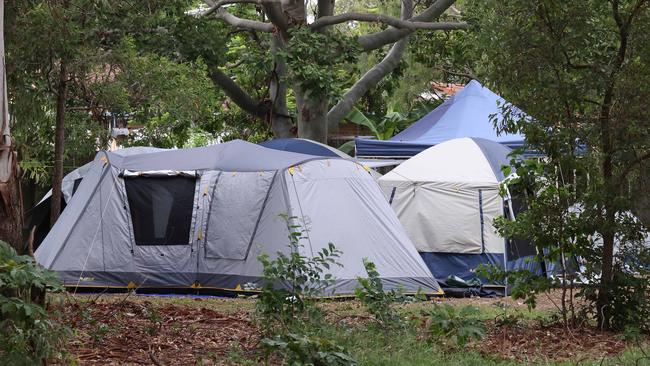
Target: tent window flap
{"points": [[237, 203], [161, 209]]}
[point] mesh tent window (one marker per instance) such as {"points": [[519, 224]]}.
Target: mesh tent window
{"points": [[161, 209]]}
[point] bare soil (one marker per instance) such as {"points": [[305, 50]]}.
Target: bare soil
{"points": [[135, 330]]}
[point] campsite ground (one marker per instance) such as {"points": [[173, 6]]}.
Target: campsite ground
{"points": [[130, 329]]}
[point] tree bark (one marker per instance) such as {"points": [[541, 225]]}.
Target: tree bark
{"points": [[312, 117], [279, 118], [11, 201], [59, 142]]}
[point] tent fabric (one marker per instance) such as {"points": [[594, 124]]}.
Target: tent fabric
{"points": [[460, 265], [447, 197], [39, 215], [310, 147], [468, 113], [241, 191], [303, 146]]}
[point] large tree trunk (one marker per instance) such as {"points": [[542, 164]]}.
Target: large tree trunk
{"points": [[59, 141], [312, 117], [11, 201], [279, 119]]}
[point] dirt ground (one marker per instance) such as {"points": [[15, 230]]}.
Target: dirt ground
{"points": [[130, 329]]}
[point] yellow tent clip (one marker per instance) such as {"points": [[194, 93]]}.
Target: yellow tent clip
{"points": [[196, 285], [261, 174], [291, 170], [131, 285], [205, 192], [200, 236], [238, 288], [367, 168], [234, 173]]}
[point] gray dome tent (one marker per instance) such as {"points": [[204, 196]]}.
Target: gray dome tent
{"points": [[38, 217], [200, 218]]}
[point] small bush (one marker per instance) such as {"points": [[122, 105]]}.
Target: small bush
{"points": [[305, 350], [377, 301], [27, 335], [291, 282], [449, 324]]}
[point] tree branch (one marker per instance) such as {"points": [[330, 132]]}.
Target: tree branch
{"points": [[325, 8], [243, 23], [380, 18], [373, 41], [372, 76], [238, 95], [274, 12], [214, 5], [223, 14]]}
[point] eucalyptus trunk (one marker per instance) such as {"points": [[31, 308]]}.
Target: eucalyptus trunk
{"points": [[11, 202], [59, 142]]}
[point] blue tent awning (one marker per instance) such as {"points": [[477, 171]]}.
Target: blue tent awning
{"points": [[466, 114]]}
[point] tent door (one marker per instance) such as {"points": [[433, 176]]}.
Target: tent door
{"points": [[161, 209]]}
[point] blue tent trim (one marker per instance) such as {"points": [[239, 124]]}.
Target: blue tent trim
{"points": [[442, 265], [299, 146], [466, 114]]}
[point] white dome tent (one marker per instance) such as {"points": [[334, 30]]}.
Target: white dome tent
{"points": [[447, 198]]}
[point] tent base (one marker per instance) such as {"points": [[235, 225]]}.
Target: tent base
{"points": [[485, 291], [202, 291]]}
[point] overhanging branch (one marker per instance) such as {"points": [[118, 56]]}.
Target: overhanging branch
{"points": [[372, 76], [380, 18], [223, 14], [376, 40], [238, 95], [214, 5], [243, 23]]}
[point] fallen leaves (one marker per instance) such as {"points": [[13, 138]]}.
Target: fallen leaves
{"points": [[142, 333], [548, 343]]}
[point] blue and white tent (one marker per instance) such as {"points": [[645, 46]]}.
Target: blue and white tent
{"points": [[466, 114], [447, 198]]}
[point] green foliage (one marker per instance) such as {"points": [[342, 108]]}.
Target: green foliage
{"points": [[581, 70], [145, 62], [377, 301], [382, 129], [453, 326], [291, 281], [522, 284], [305, 350], [629, 290], [316, 61], [27, 335]]}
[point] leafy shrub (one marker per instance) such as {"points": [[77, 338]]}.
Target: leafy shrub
{"points": [[27, 335], [304, 350], [377, 301], [522, 284], [292, 281], [447, 323]]}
